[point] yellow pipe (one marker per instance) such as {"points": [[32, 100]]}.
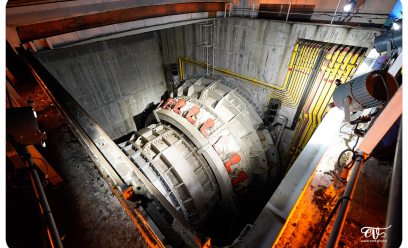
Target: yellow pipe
{"points": [[344, 73], [328, 56], [299, 68], [309, 67], [292, 96], [294, 53], [297, 73], [289, 93], [328, 85], [302, 78], [351, 68], [323, 88], [234, 74], [254, 81], [240, 77], [319, 91]]}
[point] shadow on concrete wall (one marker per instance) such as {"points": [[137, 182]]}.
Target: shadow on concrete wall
{"points": [[140, 119]]}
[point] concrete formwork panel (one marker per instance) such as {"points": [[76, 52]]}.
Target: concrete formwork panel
{"points": [[113, 80]]}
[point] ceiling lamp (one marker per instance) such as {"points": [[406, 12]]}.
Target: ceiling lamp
{"points": [[350, 6]]}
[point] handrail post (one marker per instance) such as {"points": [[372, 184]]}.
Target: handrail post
{"points": [[335, 11], [287, 16]]}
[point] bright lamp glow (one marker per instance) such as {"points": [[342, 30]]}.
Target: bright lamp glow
{"points": [[395, 26], [347, 8], [350, 6]]}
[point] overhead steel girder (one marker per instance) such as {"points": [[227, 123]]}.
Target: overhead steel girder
{"points": [[72, 24]]}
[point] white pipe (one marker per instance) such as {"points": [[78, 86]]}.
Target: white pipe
{"points": [[335, 11], [287, 16]]}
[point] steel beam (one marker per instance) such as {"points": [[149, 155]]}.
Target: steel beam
{"points": [[56, 27]]}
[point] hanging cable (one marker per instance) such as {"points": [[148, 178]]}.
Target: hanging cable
{"points": [[329, 219], [46, 165]]}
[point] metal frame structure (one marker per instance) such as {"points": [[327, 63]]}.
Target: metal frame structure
{"points": [[391, 113], [108, 156], [18, 120]]}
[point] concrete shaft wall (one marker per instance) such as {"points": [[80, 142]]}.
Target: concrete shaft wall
{"points": [[258, 48], [115, 80], [112, 80]]}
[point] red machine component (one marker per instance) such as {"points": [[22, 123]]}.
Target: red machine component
{"points": [[170, 101], [180, 104], [193, 111], [209, 123], [235, 158], [217, 146], [242, 176]]}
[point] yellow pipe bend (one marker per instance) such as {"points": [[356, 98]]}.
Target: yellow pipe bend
{"points": [[293, 70], [293, 94], [297, 94]]}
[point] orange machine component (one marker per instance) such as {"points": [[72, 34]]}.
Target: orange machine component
{"points": [[193, 111], [209, 123], [170, 101], [129, 194], [235, 158], [217, 146], [242, 176], [180, 104], [201, 244]]}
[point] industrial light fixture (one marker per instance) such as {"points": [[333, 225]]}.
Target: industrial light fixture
{"points": [[395, 26], [350, 6]]}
